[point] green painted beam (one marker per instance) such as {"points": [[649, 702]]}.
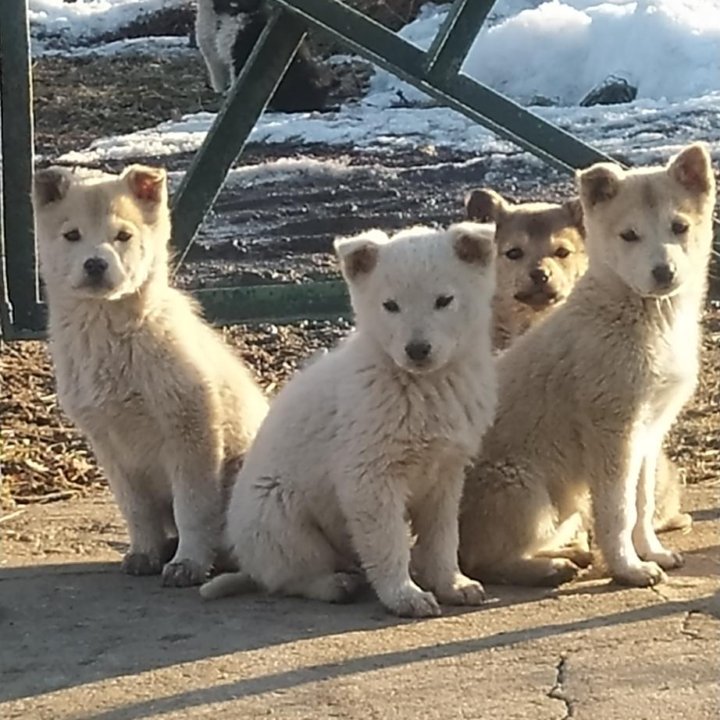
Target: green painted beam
{"points": [[225, 140], [17, 152], [252, 304], [457, 34], [5, 318], [286, 302], [474, 100]]}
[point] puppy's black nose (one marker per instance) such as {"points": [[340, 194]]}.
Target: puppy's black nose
{"points": [[539, 276], [664, 274], [418, 351], [95, 267]]}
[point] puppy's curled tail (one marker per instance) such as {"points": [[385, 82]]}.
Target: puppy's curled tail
{"points": [[227, 584]]}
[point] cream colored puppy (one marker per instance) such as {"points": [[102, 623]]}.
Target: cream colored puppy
{"points": [[167, 408], [541, 256], [587, 396], [378, 430]]}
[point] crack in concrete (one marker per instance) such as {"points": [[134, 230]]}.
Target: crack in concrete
{"points": [[658, 591], [557, 692], [685, 628]]}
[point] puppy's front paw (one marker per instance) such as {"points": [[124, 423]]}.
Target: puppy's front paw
{"points": [[135, 563], [666, 559], [462, 591], [184, 573], [644, 574], [411, 601]]}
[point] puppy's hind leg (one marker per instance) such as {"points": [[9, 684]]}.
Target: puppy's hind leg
{"points": [[508, 522], [530, 571], [278, 541], [668, 489], [297, 559], [569, 542]]}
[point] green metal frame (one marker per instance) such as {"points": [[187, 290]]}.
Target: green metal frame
{"points": [[435, 72], [21, 311]]}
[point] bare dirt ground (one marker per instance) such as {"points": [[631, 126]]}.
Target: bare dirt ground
{"points": [[80, 640]]}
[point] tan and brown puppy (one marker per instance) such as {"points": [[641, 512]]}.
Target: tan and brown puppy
{"points": [[541, 255]]}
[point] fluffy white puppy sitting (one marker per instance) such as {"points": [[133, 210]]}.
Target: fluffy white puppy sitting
{"points": [[375, 432], [168, 409]]}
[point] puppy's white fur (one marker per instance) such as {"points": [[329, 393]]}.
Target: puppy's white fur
{"points": [[541, 256], [168, 409], [216, 34], [587, 395], [366, 436]]}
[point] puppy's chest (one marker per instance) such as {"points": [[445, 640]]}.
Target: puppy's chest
{"points": [[416, 424], [97, 383], [675, 353]]}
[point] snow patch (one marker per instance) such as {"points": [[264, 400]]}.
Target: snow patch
{"points": [[54, 23], [669, 49], [644, 131]]}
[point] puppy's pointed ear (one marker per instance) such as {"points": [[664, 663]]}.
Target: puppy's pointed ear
{"points": [[147, 184], [485, 205], [574, 210], [358, 255], [598, 183], [692, 168], [473, 243], [50, 185]]}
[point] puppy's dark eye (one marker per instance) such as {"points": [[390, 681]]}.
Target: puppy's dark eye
{"points": [[679, 227], [562, 252], [123, 236], [514, 253], [629, 236], [72, 235], [442, 301], [391, 306]]}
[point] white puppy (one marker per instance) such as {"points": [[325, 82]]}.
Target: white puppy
{"points": [[376, 431], [168, 409]]}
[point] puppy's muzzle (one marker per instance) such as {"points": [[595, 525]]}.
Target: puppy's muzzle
{"points": [[542, 292], [95, 269], [418, 351], [539, 276], [664, 275]]}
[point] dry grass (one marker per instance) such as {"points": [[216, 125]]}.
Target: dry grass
{"points": [[45, 458], [79, 100]]}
